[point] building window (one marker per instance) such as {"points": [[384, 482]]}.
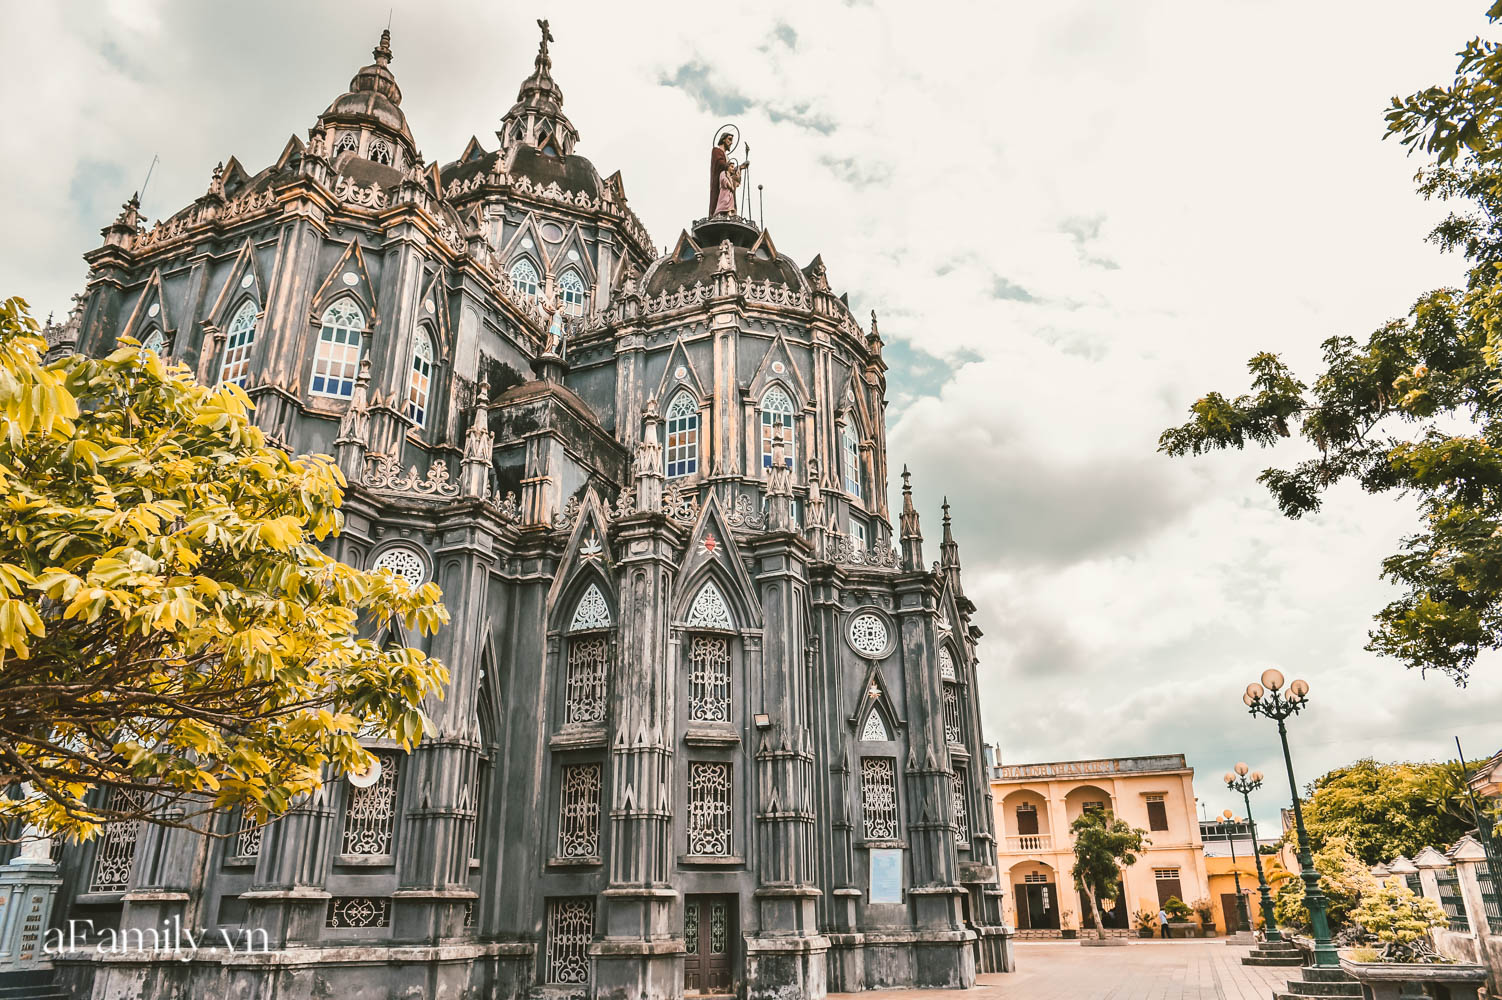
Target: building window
{"points": [[154, 342], [247, 843], [571, 292], [579, 812], [875, 730], [380, 151], [403, 561], [358, 911], [852, 450], [337, 362], [116, 853], [421, 381], [682, 452], [524, 278], [961, 809], [370, 813], [709, 609], [953, 731], [776, 420], [571, 926], [588, 667], [591, 612], [858, 533], [242, 334], [709, 678], [348, 142], [946, 664], [1168, 885], [1027, 820], [1093, 807], [709, 809], [1157, 813], [879, 797]]}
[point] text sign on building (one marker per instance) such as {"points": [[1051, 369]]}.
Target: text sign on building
{"points": [[886, 875], [1079, 768]]}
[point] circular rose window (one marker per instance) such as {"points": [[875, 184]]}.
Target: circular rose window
{"points": [[405, 562], [868, 634]]}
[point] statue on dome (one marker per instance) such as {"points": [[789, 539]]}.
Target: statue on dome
{"points": [[552, 310], [724, 173]]}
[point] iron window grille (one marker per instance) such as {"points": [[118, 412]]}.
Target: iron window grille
{"points": [[571, 927], [961, 809], [709, 787], [579, 812], [709, 678], [370, 814], [116, 853], [953, 731], [1452, 901], [358, 911], [879, 797]]}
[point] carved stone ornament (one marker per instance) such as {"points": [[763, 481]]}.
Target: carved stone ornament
{"points": [[384, 475]]}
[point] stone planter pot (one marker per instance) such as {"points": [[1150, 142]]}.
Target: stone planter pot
{"points": [[1404, 981], [1183, 929], [1145, 932], [1069, 933]]}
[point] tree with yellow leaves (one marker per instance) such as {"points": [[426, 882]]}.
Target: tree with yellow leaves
{"points": [[172, 638]]}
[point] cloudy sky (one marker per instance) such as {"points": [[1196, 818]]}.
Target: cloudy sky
{"points": [[1072, 217]]}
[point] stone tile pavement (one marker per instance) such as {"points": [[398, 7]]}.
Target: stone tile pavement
{"points": [[1143, 970]]}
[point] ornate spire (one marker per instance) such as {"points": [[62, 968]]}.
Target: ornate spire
{"points": [[912, 535], [949, 555], [648, 467], [382, 52], [537, 118], [478, 445]]}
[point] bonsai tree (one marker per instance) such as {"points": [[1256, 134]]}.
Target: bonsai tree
{"points": [[1344, 879], [1401, 921], [1103, 844], [1178, 911]]}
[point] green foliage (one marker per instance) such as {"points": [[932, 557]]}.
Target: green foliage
{"points": [[1177, 909], [1401, 921], [168, 623], [1342, 878], [1103, 846], [1417, 406], [1383, 810]]}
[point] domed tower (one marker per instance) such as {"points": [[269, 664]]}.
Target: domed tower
{"points": [[367, 120]]}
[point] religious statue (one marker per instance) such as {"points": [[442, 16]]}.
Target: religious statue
{"points": [[724, 175], [552, 309]]}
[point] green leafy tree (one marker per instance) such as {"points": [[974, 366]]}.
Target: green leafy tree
{"points": [[1401, 921], [1343, 878], [1103, 845], [172, 638], [1383, 810], [1416, 407]]}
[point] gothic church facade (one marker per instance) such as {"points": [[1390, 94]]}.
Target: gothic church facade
{"points": [[712, 727]]}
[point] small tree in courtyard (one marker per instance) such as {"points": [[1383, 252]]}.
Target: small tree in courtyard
{"points": [[1401, 921], [1103, 845]]}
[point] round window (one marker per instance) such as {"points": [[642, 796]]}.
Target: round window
{"points": [[405, 562], [868, 634]]}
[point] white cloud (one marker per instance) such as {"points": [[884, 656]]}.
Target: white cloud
{"points": [[1091, 213]]}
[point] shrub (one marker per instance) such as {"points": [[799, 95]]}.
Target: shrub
{"points": [[1401, 921]]}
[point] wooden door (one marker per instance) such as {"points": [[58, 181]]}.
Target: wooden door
{"points": [[1230, 912], [710, 939], [1036, 906]]}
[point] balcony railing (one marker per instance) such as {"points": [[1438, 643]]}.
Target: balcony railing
{"points": [[1030, 842]]}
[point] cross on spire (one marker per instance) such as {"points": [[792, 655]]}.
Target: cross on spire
{"points": [[547, 34]]}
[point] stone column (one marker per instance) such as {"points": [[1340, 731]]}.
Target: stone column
{"points": [[1469, 856], [1430, 863], [288, 899]]}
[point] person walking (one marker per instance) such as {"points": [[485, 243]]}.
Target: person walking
{"points": [[1162, 922]]}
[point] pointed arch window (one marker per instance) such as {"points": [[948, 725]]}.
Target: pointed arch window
{"points": [[875, 729], [338, 359], [420, 382], [709, 609], [524, 278], [348, 143], [851, 447], [776, 419], [380, 151], [681, 455], [571, 292], [154, 341], [235, 365], [587, 667]]}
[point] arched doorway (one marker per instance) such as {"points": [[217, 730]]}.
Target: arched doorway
{"points": [[1035, 888]]}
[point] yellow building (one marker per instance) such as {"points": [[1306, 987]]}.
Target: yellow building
{"points": [[1036, 803], [1222, 872]]}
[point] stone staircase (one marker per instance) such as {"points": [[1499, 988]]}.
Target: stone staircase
{"points": [[1317, 982], [1274, 953]]}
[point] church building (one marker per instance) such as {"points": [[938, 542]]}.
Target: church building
{"points": [[713, 724]]}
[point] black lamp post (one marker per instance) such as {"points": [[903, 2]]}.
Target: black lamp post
{"points": [[1246, 784], [1246, 918], [1267, 698]]}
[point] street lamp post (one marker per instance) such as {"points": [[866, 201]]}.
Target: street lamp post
{"points": [[1245, 917], [1247, 783], [1267, 698]]}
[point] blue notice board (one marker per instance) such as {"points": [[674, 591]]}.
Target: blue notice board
{"points": [[886, 875]]}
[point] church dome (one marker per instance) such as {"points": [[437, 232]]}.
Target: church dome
{"points": [[697, 257], [373, 99]]}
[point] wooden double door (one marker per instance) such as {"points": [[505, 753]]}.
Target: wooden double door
{"points": [[711, 941]]}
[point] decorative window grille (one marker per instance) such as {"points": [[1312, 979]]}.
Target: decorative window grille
{"points": [[154, 342], [524, 278], [709, 809], [421, 382], [571, 926], [402, 561], [719, 924], [709, 679], [946, 664], [961, 809], [709, 609], [681, 455], [875, 730], [348, 141], [248, 836], [380, 151], [591, 611], [579, 812], [1165, 874], [359, 911], [116, 852], [370, 813], [1035, 878], [1490, 901], [691, 927], [337, 362], [1415, 884], [1452, 901], [584, 694], [776, 419], [235, 365], [952, 729], [571, 292], [852, 451], [879, 797], [868, 634]]}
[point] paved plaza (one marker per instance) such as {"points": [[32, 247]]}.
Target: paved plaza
{"points": [[1144, 970]]}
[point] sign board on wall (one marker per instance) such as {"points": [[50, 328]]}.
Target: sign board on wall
{"points": [[886, 875]]}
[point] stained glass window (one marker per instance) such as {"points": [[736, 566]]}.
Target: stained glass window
{"points": [[776, 419], [524, 278], [421, 381], [571, 292], [682, 452], [337, 362], [242, 335]]}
